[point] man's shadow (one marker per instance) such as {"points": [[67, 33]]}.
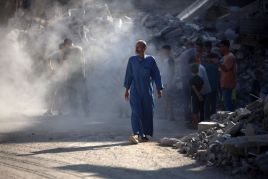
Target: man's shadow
{"points": [[76, 149]]}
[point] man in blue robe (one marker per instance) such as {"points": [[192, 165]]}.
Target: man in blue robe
{"points": [[141, 72]]}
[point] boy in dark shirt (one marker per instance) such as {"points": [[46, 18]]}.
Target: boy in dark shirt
{"points": [[196, 84]]}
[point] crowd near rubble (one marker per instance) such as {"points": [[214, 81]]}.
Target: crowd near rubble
{"points": [[236, 141], [251, 57]]}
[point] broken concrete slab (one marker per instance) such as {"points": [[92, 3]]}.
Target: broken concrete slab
{"points": [[241, 113], [239, 145], [233, 128], [201, 155], [179, 144], [206, 125], [168, 141]]}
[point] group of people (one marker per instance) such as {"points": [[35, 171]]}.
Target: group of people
{"points": [[68, 80], [207, 77], [204, 76]]}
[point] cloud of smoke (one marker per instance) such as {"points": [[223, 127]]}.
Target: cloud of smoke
{"points": [[107, 41], [20, 92]]}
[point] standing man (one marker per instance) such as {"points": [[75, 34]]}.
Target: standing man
{"points": [[188, 57], [210, 62], [196, 85], [206, 89], [54, 63], [141, 72], [167, 73], [185, 74], [228, 75], [74, 63]]}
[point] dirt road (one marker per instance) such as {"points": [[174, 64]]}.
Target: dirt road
{"points": [[65, 147]]}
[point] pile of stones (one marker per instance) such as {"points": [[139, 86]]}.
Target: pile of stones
{"points": [[237, 141]]}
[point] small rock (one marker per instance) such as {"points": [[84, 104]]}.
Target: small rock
{"points": [[241, 113], [179, 145], [201, 155], [206, 125], [168, 141], [235, 129]]}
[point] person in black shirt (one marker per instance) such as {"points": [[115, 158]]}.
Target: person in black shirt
{"points": [[196, 84]]}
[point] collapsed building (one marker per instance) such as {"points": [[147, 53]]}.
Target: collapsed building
{"points": [[236, 141], [214, 21]]}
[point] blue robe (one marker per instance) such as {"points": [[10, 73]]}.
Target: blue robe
{"points": [[139, 78]]}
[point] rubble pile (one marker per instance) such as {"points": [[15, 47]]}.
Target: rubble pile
{"points": [[234, 140], [251, 57], [171, 30]]}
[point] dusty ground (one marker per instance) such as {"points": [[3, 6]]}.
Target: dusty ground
{"points": [[67, 147]]}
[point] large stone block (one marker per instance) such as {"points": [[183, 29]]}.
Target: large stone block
{"points": [[168, 141], [206, 125], [240, 145]]}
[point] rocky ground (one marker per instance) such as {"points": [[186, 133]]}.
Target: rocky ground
{"points": [[67, 147]]}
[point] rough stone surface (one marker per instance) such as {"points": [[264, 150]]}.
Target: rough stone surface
{"points": [[168, 141], [206, 125]]}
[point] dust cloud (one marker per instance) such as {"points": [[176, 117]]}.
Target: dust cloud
{"points": [[107, 36]]}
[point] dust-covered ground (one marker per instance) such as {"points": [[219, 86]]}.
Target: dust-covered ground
{"points": [[35, 146], [65, 147]]}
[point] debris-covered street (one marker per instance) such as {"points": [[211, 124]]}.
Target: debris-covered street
{"points": [[92, 149], [133, 89]]}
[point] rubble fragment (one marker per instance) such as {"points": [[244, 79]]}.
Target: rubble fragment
{"points": [[206, 125], [168, 141], [237, 140]]}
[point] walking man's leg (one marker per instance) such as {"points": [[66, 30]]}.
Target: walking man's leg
{"points": [[136, 115], [147, 117]]}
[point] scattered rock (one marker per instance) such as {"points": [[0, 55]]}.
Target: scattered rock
{"points": [[179, 144], [168, 141], [206, 125], [236, 140]]}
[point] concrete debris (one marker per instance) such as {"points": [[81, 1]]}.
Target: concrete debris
{"points": [[206, 125], [168, 141], [230, 139], [167, 29], [237, 140]]}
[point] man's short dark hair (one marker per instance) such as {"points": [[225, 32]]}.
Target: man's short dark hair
{"points": [[208, 44], [67, 41], [225, 43], [166, 47], [194, 68]]}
